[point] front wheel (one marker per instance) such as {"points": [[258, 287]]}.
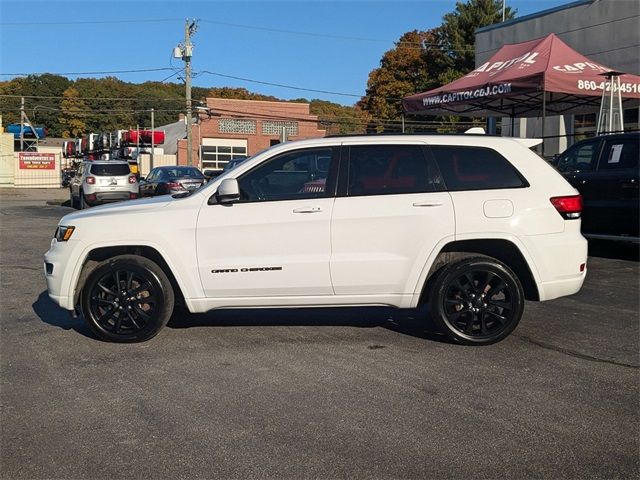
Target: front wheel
{"points": [[476, 301], [127, 299]]}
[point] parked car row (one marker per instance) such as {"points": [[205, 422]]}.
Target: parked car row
{"points": [[106, 181]]}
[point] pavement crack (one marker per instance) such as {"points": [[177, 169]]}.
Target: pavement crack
{"points": [[572, 353]]}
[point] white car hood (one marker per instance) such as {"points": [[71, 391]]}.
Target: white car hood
{"points": [[120, 208]]}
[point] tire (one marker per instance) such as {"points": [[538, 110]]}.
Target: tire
{"points": [[72, 199], [127, 299], [476, 300], [81, 201]]}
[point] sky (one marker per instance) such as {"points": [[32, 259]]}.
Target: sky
{"points": [[329, 46]]}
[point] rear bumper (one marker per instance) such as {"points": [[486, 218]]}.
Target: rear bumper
{"points": [[558, 259], [561, 288], [110, 197]]}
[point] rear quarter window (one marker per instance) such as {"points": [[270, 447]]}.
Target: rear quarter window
{"points": [[110, 170], [475, 168]]}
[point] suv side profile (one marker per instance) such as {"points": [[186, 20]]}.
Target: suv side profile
{"points": [[605, 170], [469, 225], [100, 182]]}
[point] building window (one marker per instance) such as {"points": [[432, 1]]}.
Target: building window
{"points": [[216, 153], [271, 127], [234, 125]]}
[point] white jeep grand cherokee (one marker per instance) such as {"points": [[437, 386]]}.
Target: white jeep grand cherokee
{"points": [[470, 225]]}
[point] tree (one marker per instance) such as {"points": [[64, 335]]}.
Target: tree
{"points": [[336, 118], [456, 36], [74, 111], [403, 70], [423, 60]]}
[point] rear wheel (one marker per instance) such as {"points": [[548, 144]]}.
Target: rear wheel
{"points": [[72, 200], [127, 299], [82, 202], [476, 301]]}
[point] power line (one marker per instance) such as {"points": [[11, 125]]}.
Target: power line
{"points": [[401, 44], [88, 22], [172, 75], [61, 97], [142, 70], [273, 84]]}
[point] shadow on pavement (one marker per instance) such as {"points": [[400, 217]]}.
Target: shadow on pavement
{"points": [[614, 250], [52, 314], [413, 322], [407, 322]]}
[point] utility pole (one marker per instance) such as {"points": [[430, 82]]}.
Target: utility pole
{"points": [[22, 124], [152, 139], [189, 29]]}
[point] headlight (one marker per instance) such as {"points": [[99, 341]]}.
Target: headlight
{"points": [[64, 233]]}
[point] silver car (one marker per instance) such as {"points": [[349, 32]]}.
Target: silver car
{"points": [[102, 181]]}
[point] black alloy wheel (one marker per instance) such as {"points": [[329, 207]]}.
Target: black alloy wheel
{"points": [[127, 299], [477, 301]]}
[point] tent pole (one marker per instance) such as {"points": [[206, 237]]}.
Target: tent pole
{"points": [[513, 121], [544, 115]]}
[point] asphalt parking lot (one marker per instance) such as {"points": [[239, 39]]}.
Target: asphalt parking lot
{"points": [[331, 393]]}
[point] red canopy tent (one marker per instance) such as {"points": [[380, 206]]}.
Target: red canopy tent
{"points": [[531, 79]]}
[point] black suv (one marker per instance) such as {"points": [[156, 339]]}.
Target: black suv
{"points": [[605, 171]]}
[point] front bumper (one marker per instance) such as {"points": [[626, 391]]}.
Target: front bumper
{"points": [[60, 263]]}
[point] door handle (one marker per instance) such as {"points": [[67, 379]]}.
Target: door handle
{"points": [[307, 210], [427, 204]]}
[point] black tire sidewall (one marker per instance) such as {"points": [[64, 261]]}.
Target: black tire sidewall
{"points": [[455, 270], [159, 281]]}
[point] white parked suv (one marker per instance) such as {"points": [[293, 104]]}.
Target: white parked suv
{"points": [[470, 225], [102, 181]]}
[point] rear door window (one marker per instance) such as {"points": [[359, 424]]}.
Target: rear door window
{"points": [[110, 169], [388, 169], [620, 154], [475, 168]]}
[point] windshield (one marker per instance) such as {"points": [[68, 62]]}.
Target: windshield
{"points": [[110, 169], [184, 172]]}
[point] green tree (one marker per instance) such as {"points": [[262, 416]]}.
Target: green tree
{"points": [[73, 112], [338, 119], [403, 70], [456, 36], [421, 61]]}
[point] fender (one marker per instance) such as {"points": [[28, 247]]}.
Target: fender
{"points": [[419, 284], [191, 288]]}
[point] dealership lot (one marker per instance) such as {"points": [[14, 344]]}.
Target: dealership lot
{"points": [[313, 393]]}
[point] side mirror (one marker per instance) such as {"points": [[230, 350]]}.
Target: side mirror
{"points": [[228, 191]]}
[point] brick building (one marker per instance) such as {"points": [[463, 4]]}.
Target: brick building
{"points": [[245, 127]]}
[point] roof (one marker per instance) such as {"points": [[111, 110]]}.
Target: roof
{"points": [[531, 16], [172, 133]]}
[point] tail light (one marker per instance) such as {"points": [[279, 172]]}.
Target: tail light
{"points": [[133, 196], [132, 179], [174, 186], [569, 207], [90, 180], [91, 198]]}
